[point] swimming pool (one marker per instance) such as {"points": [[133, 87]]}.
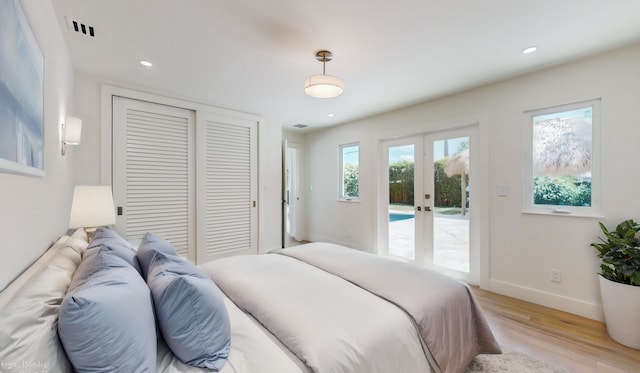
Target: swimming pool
{"points": [[394, 216]]}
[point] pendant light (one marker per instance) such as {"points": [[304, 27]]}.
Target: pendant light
{"points": [[323, 86]]}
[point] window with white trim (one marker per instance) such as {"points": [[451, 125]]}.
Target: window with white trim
{"points": [[349, 171], [562, 159]]}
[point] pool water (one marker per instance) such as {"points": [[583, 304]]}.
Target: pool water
{"points": [[394, 216]]}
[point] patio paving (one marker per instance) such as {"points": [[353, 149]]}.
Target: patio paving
{"points": [[451, 240]]}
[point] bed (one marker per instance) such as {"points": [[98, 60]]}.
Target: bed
{"points": [[312, 308]]}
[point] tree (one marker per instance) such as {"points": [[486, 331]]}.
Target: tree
{"points": [[459, 165], [351, 184]]}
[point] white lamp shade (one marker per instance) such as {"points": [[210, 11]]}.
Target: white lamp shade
{"points": [[92, 207], [72, 131], [323, 86]]}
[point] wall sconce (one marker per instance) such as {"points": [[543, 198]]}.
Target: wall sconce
{"points": [[71, 132]]}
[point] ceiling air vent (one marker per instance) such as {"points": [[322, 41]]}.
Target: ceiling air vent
{"points": [[81, 28], [300, 125]]}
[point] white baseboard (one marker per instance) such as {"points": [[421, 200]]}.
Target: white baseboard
{"points": [[555, 301]]}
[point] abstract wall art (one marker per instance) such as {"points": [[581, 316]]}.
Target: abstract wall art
{"points": [[21, 94]]}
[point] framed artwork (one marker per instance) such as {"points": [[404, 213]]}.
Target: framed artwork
{"points": [[21, 94]]}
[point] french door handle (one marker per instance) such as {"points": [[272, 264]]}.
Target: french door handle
{"points": [[419, 208], [427, 208]]}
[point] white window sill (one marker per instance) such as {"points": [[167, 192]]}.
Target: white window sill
{"points": [[565, 213]]}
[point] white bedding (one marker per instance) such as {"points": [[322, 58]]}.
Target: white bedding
{"points": [[253, 350], [28, 317], [331, 325], [450, 322], [286, 316]]}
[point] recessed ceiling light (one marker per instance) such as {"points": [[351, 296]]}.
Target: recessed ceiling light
{"points": [[331, 115], [145, 63], [529, 50]]}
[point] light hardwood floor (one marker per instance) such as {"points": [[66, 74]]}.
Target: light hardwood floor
{"points": [[566, 340]]}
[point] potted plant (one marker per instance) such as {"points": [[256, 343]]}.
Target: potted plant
{"points": [[620, 281]]}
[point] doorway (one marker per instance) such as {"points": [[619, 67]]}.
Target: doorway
{"points": [[291, 194], [425, 216]]}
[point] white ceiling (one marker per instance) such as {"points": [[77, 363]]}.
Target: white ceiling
{"points": [[254, 55]]}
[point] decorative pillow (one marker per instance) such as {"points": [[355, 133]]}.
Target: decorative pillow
{"points": [[190, 310], [113, 242], [106, 321], [150, 245]]}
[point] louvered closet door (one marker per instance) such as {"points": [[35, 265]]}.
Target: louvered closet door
{"points": [[227, 187], [153, 172]]}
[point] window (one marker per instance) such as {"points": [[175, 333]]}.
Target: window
{"points": [[562, 173], [349, 170]]}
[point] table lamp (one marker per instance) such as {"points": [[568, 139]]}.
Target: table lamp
{"points": [[92, 208]]}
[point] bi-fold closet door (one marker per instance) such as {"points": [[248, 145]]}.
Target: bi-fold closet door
{"points": [[190, 177]]}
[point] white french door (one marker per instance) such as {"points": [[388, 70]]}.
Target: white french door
{"points": [[403, 217], [426, 216]]}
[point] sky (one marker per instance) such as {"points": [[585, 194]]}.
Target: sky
{"points": [[350, 154]]}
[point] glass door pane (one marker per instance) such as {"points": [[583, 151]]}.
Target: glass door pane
{"points": [[451, 203], [401, 211]]}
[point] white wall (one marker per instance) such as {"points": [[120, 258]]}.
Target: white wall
{"points": [[94, 165], [327, 219], [522, 248], [87, 104], [270, 185], [36, 210]]}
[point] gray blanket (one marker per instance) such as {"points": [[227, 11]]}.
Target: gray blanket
{"points": [[451, 324]]}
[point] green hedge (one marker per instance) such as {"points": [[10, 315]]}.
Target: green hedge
{"points": [[447, 189], [401, 182], [562, 191]]}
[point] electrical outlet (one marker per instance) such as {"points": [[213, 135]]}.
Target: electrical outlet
{"points": [[556, 275]]}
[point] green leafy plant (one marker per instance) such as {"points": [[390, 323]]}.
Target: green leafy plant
{"points": [[620, 253], [401, 182], [351, 180], [561, 191]]}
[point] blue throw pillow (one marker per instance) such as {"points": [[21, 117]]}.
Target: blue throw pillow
{"points": [[106, 321], [190, 310], [150, 245], [113, 242]]}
